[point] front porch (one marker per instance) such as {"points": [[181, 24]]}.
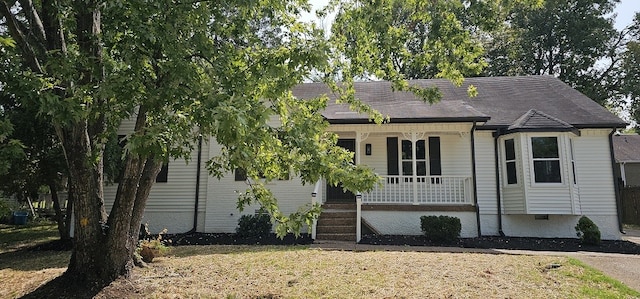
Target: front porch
{"points": [[428, 194], [422, 167]]}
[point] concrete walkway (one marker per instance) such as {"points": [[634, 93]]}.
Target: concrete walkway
{"points": [[623, 267]]}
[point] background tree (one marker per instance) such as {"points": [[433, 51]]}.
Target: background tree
{"points": [[630, 73], [573, 40], [36, 163]]}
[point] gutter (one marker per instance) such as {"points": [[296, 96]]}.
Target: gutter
{"points": [[475, 185], [498, 196], [616, 187], [197, 196]]}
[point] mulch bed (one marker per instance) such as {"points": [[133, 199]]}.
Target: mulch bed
{"points": [[515, 243], [233, 239]]}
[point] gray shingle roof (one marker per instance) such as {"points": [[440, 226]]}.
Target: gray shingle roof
{"points": [[626, 148], [501, 99], [534, 120], [399, 106]]}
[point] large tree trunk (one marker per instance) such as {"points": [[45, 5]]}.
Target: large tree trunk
{"points": [[84, 158], [88, 249]]}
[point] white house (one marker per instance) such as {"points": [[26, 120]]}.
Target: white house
{"points": [[527, 157]]}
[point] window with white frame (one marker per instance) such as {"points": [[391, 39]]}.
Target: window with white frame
{"points": [[510, 161], [546, 159]]}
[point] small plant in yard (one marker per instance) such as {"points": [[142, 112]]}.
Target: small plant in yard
{"points": [[254, 226], [5, 211], [587, 231], [148, 249], [441, 228]]}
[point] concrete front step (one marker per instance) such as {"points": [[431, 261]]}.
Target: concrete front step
{"points": [[336, 229], [336, 221], [336, 236], [339, 206], [338, 214]]}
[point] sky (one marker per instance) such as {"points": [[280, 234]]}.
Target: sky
{"points": [[625, 11]]}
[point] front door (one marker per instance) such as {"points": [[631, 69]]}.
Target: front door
{"points": [[335, 194]]}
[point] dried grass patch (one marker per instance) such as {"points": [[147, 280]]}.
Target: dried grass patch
{"points": [[297, 272], [24, 271]]}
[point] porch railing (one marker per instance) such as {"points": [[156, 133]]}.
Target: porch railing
{"points": [[420, 190]]}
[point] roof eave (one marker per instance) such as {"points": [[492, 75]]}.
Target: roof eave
{"points": [[413, 120], [579, 126]]}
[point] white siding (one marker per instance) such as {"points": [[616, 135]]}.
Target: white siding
{"points": [[595, 173], [222, 214], [486, 181], [378, 158], [513, 201], [408, 222], [557, 226], [456, 154]]}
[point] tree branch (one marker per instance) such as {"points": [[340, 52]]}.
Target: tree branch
{"points": [[19, 37], [53, 27], [34, 20]]}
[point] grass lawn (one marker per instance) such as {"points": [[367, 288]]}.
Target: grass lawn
{"points": [[14, 237], [299, 272], [23, 271]]}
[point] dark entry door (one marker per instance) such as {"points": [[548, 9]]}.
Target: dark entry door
{"points": [[335, 194]]}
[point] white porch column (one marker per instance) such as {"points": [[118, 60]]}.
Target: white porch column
{"points": [[358, 217], [314, 200], [414, 167]]}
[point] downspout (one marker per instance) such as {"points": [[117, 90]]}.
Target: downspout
{"points": [[616, 188], [498, 197], [197, 196], [474, 179]]}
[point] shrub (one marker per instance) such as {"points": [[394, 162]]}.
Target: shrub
{"points": [[151, 248], [5, 211], [254, 226], [441, 228], [587, 231]]}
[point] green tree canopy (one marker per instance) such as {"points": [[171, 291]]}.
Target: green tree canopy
{"points": [[185, 69], [573, 40]]}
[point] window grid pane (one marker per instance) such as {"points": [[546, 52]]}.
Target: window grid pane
{"points": [[547, 171], [512, 178], [509, 149], [544, 147]]}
